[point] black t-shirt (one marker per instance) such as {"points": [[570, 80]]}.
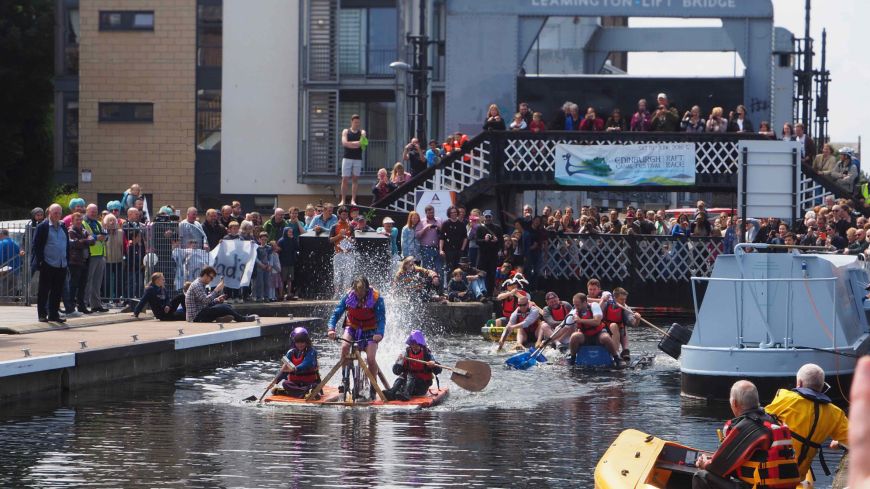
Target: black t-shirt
{"points": [[842, 226], [453, 233]]}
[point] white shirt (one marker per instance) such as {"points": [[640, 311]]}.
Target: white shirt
{"points": [[572, 316]]}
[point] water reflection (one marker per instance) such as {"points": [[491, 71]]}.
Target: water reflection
{"points": [[540, 427]]}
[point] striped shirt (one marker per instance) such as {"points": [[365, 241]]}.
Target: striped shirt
{"points": [[197, 299]]}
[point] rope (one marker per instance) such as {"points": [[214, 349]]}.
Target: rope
{"points": [[833, 339]]}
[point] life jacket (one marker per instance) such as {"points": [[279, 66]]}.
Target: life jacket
{"points": [[589, 330], [415, 368], [310, 376], [763, 448], [510, 304], [559, 313], [807, 442], [99, 247], [362, 317], [612, 314]]}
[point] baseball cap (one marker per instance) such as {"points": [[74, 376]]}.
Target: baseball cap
{"points": [[389, 220], [487, 213], [661, 95]]}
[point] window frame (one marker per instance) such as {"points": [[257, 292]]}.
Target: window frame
{"points": [[127, 112], [128, 18]]}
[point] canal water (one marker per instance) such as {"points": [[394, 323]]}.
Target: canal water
{"points": [[544, 427]]}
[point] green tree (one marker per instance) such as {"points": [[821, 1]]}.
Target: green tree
{"points": [[26, 94]]}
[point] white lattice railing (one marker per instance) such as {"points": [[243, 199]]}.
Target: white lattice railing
{"points": [[457, 176], [615, 258], [810, 192], [523, 155]]}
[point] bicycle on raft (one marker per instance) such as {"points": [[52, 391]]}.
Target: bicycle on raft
{"points": [[357, 381]]}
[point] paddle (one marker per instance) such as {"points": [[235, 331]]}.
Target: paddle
{"points": [[271, 384], [471, 375], [528, 359], [673, 339]]}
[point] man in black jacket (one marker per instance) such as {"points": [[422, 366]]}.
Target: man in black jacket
{"points": [[489, 241], [50, 256], [454, 240]]}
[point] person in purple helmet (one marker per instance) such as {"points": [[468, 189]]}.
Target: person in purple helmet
{"points": [[415, 378], [300, 373]]}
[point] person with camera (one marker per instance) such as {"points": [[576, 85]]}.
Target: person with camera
{"points": [[591, 122], [202, 306], [739, 122], [665, 118], [692, 121], [412, 155], [428, 232]]}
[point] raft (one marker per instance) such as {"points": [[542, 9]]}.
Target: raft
{"points": [[598, 358], [491, 332], [636, 460], [331, 397], [328, 394]]}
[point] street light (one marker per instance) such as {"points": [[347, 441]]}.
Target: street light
{"points": [[400, 66]]}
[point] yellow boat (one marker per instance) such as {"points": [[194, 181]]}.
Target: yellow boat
{"points": [[491, 332], [636, 460]]}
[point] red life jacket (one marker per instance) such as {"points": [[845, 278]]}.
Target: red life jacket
{"points": [[559, 313], [310, 376], [532, 330], [589, 330], [415, 368], [612, 314], [362, 316], [768, 454], [510, 304]]}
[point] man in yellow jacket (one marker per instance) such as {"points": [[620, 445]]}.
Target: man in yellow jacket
{"points": [[811, 416]]}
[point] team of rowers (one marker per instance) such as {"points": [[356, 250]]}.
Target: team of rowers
{"points": [[597, 317]]}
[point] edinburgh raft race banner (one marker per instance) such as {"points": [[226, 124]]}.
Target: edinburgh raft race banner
{"points": [[234, 261], [628, 165]]}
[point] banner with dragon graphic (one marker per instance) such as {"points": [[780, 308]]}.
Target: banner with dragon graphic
{"points": [[625, 165]]}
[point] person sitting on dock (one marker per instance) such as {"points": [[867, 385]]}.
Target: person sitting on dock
{"points": [[513, 291], [757, 449], [526, 319], [157, 299], [301, 372], [616, 317], [204, 307], [365, 322], [416, 368], [811, 415], [586, 318]]}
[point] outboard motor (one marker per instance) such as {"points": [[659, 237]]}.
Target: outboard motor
{"points": [[672, 344]]}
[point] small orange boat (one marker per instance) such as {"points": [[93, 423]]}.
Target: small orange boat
{"points": [[331, 397]]}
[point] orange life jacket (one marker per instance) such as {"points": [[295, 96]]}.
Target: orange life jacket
{"points": [[415, 368], [362, 317], [772, 464], [310, 376], [612, 314], [510, 304], [559, 313]]}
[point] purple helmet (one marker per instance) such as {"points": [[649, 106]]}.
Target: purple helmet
{"points": [[300, 333], [416, 336]]}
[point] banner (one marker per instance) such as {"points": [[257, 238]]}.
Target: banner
{"points": [[234, 261], [439, 199], [628, 165]]}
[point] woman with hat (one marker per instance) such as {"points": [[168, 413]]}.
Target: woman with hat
{"points": [[300, 372], [415, 377]]}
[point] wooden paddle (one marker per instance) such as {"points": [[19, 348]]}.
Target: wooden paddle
{"points": [[651, 325], [471, 375], [271, 384]]}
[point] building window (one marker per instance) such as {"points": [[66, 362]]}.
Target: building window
{"points": [[209, 49], [126, 20], [126, 112], [208, 119], [368, 39], [71, 134], [72, 31]]}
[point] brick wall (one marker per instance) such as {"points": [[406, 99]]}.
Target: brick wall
{"points": [[157, 67]]}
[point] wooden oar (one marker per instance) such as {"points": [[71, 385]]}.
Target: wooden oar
{"points": [[271, 384], [471, 375], [651, 325]]}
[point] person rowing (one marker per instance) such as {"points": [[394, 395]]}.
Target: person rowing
{"points": [[556, 313], [510, 297], [616, 317], [415, 377], [526, 320], [586, 318], [301, 372], [365, 323], [594, 293]]}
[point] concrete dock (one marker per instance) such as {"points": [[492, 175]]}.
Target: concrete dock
{"points": [[39, 360]]}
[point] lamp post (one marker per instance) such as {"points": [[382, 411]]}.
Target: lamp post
{"points": [[419, 71]]}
